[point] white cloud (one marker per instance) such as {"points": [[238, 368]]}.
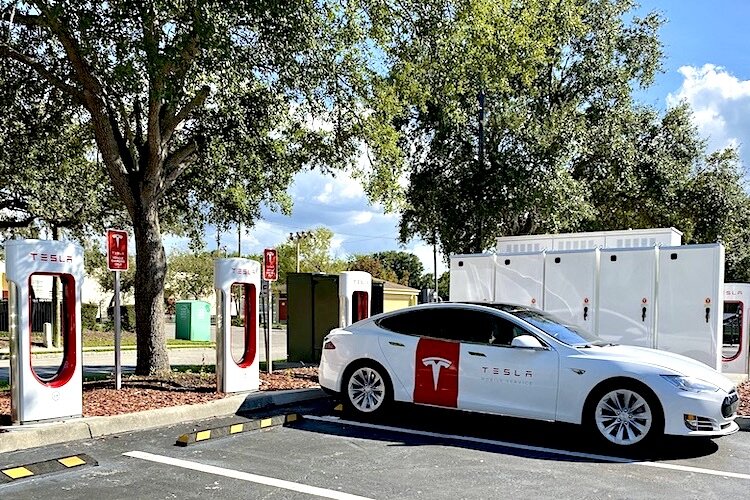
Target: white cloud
{"points": [[361, 218], [720, 103]]}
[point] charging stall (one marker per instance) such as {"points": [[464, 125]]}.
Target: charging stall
{"points": [[36, 396], [354, 296], [242, 374], [734, 354]]}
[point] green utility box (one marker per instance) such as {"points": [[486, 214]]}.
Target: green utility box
{"points": [[313, 312], [192, 320]]}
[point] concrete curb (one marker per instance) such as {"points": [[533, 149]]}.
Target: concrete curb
{"points": [[236, 428], [34, 435], [744, 423]]}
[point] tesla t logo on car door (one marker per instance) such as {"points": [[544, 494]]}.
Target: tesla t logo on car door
{"points": [[436, 377]]}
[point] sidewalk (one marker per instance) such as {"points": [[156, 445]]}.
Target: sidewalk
{"points": [[100, 360]]}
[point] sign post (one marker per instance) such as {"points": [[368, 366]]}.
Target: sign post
{"points": [[117, 260], [270, 274]]}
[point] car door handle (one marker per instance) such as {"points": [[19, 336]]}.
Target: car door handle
{"points": [[480, 354], [397, 344]]}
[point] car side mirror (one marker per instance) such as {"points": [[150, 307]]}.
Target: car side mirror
{"points": [[527, 341]]}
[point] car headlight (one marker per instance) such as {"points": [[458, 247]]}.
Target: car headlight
{"points": [[691, 384]]}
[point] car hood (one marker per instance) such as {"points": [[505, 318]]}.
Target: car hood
{"points": [[662, 359]]}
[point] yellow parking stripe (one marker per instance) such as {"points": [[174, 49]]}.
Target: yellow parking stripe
{"points": [[236, 428], [71, 461], [18, 472], [291, 417], [266, 422], [200, 436]]}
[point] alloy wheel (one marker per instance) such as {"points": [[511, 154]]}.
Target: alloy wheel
{"points": [[366, 389], [623, 417]]}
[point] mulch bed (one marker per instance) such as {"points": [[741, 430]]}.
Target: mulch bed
{"points": [[147, 393]]}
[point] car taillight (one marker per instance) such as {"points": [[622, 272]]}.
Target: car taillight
{"points": [[329, 345]]}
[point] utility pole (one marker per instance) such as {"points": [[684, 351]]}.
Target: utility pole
{"points": [[481, 171], [239, 239], [297, 237]]}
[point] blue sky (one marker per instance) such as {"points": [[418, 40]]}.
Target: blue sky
{"points": [[707, 64]]}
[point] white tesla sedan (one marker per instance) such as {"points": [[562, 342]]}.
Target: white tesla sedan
{"points": [[512, 360]]}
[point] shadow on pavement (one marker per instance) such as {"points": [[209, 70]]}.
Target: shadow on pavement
{"points": [[523, 432]]}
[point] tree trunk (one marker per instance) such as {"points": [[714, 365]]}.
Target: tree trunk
{"points": [[150, 273]]}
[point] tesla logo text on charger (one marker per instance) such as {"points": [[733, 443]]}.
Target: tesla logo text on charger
{"points": [[50, 257], [493, 370], [733, 292], [243, 272], [437, 364]]}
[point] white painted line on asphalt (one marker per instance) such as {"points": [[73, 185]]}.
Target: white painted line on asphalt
{"points": [[245, 476], [518, 446]]}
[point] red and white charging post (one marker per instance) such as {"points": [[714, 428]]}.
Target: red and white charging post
{"points": [[270, 274], [117, 260]]}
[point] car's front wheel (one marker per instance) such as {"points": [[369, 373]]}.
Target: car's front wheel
{"points": [[626, 416], [367, 390]]}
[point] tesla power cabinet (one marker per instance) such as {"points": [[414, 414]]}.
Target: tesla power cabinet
{"points": [[666, 297]]}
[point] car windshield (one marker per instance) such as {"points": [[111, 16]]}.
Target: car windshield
{"points": [[554, 327]]}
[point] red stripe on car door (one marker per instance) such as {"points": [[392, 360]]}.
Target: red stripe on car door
{"points": [[436, 377]]}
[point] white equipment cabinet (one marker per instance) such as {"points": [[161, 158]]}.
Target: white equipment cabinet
{"points": [[472, 278], [519, 278], [570, 286], [690, 299], [627, 305]]}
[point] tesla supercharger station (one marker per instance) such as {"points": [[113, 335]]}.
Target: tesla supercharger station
{"points": [[354, 296], [734, 355], [242, 374], [34, 397]]}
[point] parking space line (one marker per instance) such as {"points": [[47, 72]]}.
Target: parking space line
{"points": [[518, 446], [245, 476]]}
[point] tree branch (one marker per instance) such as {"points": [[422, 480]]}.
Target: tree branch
{"points": [[170, 124], [10, 223], [57, 82], [176, 164]]}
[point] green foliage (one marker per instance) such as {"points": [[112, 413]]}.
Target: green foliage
{"points": [[202, 111], [314, 254], [88, 316], [406, 266], [549, 74], [370, 264], [398, 267], [95, 265], [48, 176], [190, 275]]}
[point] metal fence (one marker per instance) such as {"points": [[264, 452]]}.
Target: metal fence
{"points": [[41, 313]]}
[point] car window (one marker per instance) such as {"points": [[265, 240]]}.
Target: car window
{"points": [[408, 323], [553, 326]]}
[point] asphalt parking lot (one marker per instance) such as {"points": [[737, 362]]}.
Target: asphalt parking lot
{"points": [[412, 453]]}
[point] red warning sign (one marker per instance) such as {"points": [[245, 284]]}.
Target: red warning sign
{"points": [[586, 300], [644, 300]]}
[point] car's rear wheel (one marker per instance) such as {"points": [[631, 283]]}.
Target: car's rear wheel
{"points": [[367, 390], [625, 415]]}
